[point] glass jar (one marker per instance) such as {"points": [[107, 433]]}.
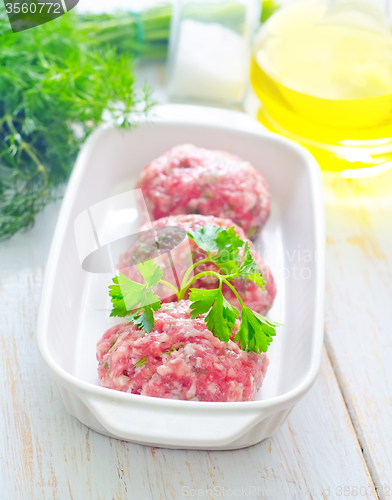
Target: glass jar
{"points": [[209, 50], [323, 73]]}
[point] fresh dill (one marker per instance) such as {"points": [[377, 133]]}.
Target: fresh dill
{"points": [[54, 88]]}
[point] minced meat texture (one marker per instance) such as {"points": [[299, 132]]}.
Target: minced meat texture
{"points": [[191, 180], [179, 359]]}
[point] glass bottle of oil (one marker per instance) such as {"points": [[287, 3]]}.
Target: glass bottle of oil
{"points": [[323, 72]]}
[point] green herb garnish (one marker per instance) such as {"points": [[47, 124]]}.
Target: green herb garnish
{"points": [[141, 362], [127, 295], [55, 84], [234, 259], [114, 341]]}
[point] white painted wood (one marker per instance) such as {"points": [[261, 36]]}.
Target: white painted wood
{"points": [[359, 310], [45, 454]]}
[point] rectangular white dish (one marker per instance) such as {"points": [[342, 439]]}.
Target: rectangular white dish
{"points": [[292, 244]]}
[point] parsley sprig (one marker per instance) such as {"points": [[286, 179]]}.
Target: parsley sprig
{"points": [[234, 259], [127, 295]]}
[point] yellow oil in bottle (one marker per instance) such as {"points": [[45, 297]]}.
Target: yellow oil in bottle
{"points": [[324, 78]]}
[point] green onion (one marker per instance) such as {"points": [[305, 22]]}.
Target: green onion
{"points": [[146, 33]]}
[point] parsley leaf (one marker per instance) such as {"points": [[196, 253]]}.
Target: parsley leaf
{"points": [[256, 331], [223, 244], [258, 279], [145, 320], [202, 300], [205, 237], [150, 272], [150, 298], [228, 245], [248, 268], [221, 317], [248, 265], [216, 322], [125, 294], [230, 313]]}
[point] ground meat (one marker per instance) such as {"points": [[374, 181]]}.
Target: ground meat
{"points": [[253, 297], [191, 180], [179, 359]]}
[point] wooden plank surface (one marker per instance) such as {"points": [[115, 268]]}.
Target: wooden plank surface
{"points": [[359, 310], [45, 454]]}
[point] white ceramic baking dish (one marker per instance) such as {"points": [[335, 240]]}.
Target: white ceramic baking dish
{"points": [[292, 244]]}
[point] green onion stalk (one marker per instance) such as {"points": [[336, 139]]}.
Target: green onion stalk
{"points": [[143, 34], [146, 33]]}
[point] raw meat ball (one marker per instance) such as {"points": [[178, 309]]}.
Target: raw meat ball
{"points": [[192, 180], [145, 247], [179, 359]]}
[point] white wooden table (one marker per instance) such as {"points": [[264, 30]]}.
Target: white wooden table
{"points": [[337, 442]]}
